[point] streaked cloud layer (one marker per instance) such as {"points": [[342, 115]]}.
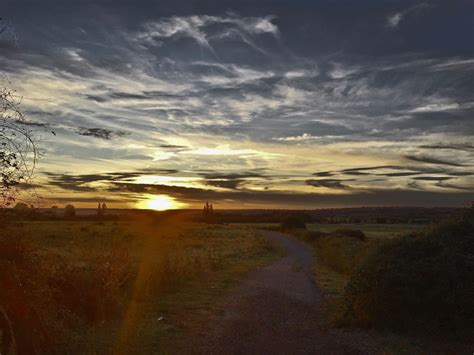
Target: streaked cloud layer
{"points": [[307, 104]]}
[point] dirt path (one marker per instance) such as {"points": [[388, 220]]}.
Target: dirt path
{"points": [[276, 310]]}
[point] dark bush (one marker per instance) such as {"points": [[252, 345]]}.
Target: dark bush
{"points": [[293, 222], [423, 282], [69, 211], [351, 233]]}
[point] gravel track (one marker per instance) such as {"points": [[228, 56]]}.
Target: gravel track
{"points": [[276, 310]]}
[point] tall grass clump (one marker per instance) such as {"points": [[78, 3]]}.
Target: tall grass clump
{"points": [[45, 299], [423, 282]]}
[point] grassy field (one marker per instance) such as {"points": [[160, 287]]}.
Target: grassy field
{"points": [[372, 231], [98, 287]]}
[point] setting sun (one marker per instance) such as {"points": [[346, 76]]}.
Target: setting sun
{"points": [[160, 203]]}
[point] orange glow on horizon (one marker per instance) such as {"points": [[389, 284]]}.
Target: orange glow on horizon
{"points": [[160, 203]]}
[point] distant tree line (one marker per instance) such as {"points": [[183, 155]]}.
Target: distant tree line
{"points": [[101, 209]]}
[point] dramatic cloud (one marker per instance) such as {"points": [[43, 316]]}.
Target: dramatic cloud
{"points": [[329, 183], [395, 19], [101, 133], [227, 184], [275, 104], [467, 147], [197, 27], [431, 160]]}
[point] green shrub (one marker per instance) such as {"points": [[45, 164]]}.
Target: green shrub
{"points": [[343, 255], [293, 222], [423, 282], [351, 233]]}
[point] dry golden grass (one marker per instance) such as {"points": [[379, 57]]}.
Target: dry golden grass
{"points": [[124, 287]]}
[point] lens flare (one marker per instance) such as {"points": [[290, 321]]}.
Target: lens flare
{"points": [[160, 203]]}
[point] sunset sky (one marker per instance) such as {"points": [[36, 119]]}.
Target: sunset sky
{"points": [[248, 104]]}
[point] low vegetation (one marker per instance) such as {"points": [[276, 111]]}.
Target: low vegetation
{"points": [[340, 252], [96, 286], [423, 282], [293, 222], [402, 278]]}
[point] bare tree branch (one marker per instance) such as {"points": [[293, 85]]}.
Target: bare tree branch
{"points": [[18, 152]]}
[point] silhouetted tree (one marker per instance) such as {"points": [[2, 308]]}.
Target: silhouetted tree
{"points": [[20, 206], [101, 209], [69, 211], [208, 213], [18, 153], [207, 209]]}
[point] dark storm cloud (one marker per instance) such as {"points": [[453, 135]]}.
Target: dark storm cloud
{"points": [[329, 183], [31, 123], [172, 146], [324, 173], [357, 173], [400, 174], [432, 178], [74, 182], [368, 168], [310, 200], [94, 200], [467, 147], [141, 95], [101, 133], [127, 96], [227, 184], [175, 191], [431, 160], [97, 98], [229, 181], [231, 176], [291, 92], [79, 179], [468, 189], [280, 73], [461, 173], [82, 182]]}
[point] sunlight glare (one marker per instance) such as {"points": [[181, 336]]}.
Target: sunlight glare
{"points": [[161, 203]]}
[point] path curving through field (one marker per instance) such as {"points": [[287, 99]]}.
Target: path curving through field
{"points": [[277, 310]]}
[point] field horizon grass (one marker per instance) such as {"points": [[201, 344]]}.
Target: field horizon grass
{"points": [[122, 287]]}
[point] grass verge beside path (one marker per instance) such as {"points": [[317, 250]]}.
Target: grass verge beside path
{"points": [[336, 257], [125, 287]]}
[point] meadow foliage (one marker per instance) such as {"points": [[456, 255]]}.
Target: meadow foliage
{"points": [[67, 285], [421, 282]]}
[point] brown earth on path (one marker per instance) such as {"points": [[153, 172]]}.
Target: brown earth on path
{"points": [[276, 310]]}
